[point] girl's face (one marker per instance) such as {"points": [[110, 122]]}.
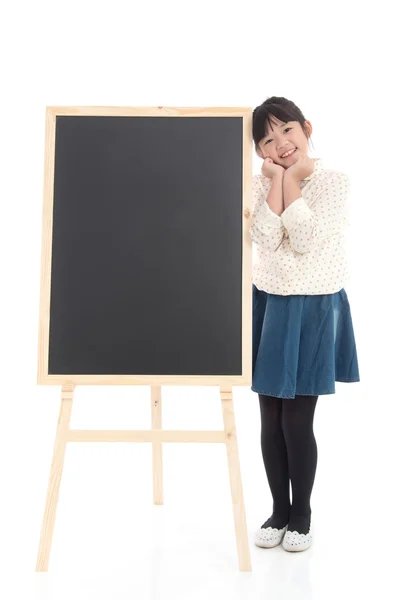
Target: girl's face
{"points": [[282, 138]]}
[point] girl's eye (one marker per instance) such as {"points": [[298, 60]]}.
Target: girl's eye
{"points": [[287, 129]]}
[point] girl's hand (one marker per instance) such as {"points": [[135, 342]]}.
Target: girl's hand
{"points": [[270, 169], [302, 168]]}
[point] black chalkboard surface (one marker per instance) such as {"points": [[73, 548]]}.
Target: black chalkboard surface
{"points": [[146, 271]]}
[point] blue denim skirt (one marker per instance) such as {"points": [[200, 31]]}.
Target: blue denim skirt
{"points": [[302, 344]]}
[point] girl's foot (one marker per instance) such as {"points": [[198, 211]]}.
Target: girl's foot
{"points": [[298, 535], [269, 537], [296, 542], [271, 533]]}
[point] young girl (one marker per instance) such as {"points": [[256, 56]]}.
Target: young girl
{"points": [[303, 339]]}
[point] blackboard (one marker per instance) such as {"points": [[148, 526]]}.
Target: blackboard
{"points": [[146, 266]]}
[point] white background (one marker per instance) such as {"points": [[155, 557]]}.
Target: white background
{"points": [[337, 62]]}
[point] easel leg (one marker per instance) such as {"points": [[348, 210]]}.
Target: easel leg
{"points": [[239, 514], [157, 446], [57, 464]]}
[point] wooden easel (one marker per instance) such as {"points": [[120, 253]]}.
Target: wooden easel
{"points": [[156, 435]]}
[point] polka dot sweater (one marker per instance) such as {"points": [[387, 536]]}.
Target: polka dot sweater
{"points": [[303, 250]]}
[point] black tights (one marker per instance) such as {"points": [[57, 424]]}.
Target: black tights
{"points": [[289, 451]]}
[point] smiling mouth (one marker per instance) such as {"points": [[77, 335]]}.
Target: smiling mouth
{"points": [[291, 154]]}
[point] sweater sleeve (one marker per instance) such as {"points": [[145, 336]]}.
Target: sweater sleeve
{"points": [[266, 227], [329, 216]]}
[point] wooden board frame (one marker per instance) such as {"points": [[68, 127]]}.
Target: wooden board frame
{"points": [[43, 376]]}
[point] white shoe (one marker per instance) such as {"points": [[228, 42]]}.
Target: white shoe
{"points": [[269, 537], [296, 542]]}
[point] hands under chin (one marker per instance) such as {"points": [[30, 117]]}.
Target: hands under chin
{"points": [[302, 168], [270, 169]]}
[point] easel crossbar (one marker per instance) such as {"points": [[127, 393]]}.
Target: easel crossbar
{"points": [[146, 435]]}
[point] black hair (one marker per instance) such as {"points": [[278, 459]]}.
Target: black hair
{"points": [[275, 106]]}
